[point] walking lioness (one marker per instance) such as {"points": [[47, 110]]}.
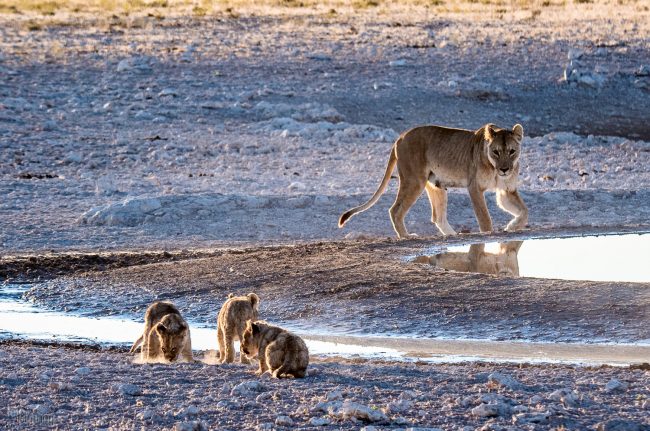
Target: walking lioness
{"points": [[433, 158]]}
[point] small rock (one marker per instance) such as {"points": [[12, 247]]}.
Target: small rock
{"points": [[82, 371], [369, 428], [129, 389], [167, 92], [616, 385], [643, 70], [296, 185], [398, 406], [423, 429], [191, 411], [485, 411], [333, 395], [266, 426], [400, 420], [575, 54], [264, 396], [619, 425], [566, 396], [319, 422], [531, 418], [284, 421], [123, 65], [504, 380], [75, 157], [248, 388], [190, 426], [397, 63]]}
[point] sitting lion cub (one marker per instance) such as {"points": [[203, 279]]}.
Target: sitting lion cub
{"points": [[279, 351], [231, 323], [433, 158], [166, 334]]}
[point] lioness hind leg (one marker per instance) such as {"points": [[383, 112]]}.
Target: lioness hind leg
{"points": [[511, 202], [438, 199], [409, 192]]}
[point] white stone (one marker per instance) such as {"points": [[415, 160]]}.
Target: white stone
{"points": [[616, 385], [319, 422], [123, 65], [82, 371], [284, 421], [248, 388]]}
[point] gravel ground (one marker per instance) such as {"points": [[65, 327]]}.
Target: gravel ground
{"points": [[50, 387], [261, 127], [119, 132]]}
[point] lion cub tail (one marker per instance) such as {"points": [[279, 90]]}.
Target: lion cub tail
{"points": [[392, 161]]}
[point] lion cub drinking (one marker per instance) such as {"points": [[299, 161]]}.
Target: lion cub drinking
{"points": [[433, 158], [279, 351], [166, 334], [231, 323]]}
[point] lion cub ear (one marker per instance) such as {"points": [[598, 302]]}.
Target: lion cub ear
{"points": [[488, 132], [518, 131]]}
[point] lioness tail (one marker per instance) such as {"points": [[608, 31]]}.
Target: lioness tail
{"points": [[392, 161]]}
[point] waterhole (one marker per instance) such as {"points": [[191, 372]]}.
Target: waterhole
{"points": [[20, 319], [623, 258]]}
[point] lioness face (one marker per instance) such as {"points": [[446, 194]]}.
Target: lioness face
{"points": [[503, 149], [172, 338], [250, 340]]}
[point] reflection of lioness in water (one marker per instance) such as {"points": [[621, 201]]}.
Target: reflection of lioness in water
{"points": [[166, 334], [433, 158], [503, 262]]}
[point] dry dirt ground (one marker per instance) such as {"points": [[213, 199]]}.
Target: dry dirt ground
{"points": [[157, 130]]}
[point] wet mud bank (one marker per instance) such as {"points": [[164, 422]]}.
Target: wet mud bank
{"points": [[365, 287]]}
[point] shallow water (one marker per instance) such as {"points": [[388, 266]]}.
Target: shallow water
{"points": [[621, 258], [20, 319]]}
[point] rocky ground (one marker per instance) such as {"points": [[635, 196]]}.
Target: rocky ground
{"points": [[51, 387], [251, 127]]}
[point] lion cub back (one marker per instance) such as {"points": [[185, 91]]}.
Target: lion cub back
{"points": [[236, 311]]}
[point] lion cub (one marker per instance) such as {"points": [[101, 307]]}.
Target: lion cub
{"points": [[166, 334], [279, 351], [231, 323], [434, 158]]}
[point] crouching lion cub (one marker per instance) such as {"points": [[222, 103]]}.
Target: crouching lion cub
{"points": [[231, 324], [279, 351], [166, 334], [433, 158]]}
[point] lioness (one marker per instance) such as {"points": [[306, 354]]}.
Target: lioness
{"points": [[502, 263], [278, 350], [433, 158], [231, 323], [166, 334]]}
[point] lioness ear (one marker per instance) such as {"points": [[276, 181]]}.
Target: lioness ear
{"points": [[256, 329], [518, 131], [488, 132]]}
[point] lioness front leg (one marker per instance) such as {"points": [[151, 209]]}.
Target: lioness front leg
{"points": [[480, 208], [511, 202], [438, 199]]}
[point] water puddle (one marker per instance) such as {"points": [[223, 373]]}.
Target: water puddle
{"points": [[622, 258], [20, 319]]}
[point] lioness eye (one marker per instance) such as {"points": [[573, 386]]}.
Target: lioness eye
{"points": [[512, 152], [495, 152]]}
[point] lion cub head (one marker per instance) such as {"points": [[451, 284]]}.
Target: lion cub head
{"points": [[172, 332], [250, 342], [503, 147]]}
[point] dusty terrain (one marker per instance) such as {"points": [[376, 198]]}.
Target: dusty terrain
{"points": [[219, 151], [72, 388]]}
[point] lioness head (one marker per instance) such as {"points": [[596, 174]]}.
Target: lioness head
{"points": [[172, 332], [251, 339], [503, 147]]}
